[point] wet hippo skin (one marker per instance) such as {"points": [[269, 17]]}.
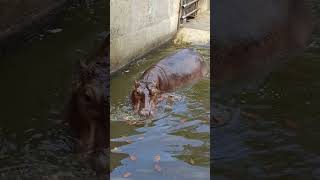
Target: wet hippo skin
{"points": [[184, 67]]}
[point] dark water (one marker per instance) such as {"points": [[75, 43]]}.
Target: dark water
{"points": [[35, 86], [179, 133], [272, 128]]}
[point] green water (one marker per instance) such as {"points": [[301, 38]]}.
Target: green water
{"points": [[36, 83], [179, 133]]}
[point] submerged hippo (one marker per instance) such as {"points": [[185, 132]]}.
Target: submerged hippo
{"points": [[175, 71], [88, 109]]}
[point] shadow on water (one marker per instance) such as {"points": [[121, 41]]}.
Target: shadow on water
{"points": [[36, 84], [178, 135], [271, 130]]}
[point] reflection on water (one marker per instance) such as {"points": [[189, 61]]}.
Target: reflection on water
{"points": [[271, 130], [36, 82], [177, 137]]}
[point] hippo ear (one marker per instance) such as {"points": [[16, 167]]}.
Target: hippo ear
{"points": [[136, 83], [82, 65], [83, 71], [156, 85], [75, 86]]}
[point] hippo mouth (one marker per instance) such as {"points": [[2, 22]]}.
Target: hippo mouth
{"points": [[147, 105], [147, 110]]}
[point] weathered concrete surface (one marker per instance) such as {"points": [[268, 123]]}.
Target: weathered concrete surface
{"points": [[249, 33], [246, 21], [21, 18], [138, 26], [196, 31], [204, 5]]}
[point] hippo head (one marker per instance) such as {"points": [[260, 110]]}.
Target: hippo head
{"points": [[88, 114], [144, 97]]}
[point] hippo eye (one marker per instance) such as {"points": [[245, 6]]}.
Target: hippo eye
{"points": [[137, 93], [140, 91], [87, 98], [153, 92]]}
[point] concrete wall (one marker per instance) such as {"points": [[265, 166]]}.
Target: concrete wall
{"points": [[204, 5], [138, 26]]}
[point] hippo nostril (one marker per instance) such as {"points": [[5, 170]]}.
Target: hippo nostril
{"points": [[145, 112], [142, 112]]}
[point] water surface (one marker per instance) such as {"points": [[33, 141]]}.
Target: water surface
{"points": [[178, 135]]}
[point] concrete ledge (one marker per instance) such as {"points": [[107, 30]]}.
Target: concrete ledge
{"points": [[196, 31], [192, 36]]}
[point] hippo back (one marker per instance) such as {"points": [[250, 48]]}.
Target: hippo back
{"points": [[181, 68]]}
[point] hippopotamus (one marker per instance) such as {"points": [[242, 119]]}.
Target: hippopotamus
{"points": [[179, 69], [89, 107]]}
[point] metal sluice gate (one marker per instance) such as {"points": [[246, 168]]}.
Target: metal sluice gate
{"points": [[188, 9]]}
